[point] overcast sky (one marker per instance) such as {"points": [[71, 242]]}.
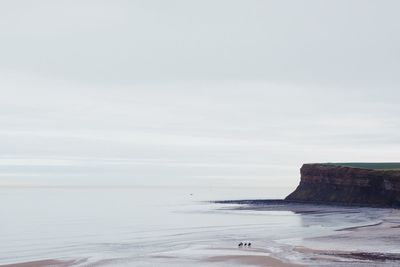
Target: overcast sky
{"points": [[209, 93]]}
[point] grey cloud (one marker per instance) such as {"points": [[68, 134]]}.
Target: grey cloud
{"points": [[206, 85], [126, 42]]}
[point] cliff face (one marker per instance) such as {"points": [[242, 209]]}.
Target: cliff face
{"points": [[324, 183]]}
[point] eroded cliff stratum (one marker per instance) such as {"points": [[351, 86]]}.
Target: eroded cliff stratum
{"points": [[371, 184]]}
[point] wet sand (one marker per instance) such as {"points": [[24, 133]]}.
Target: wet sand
{"points": [[255, 260], [42, 263], [373, 243], [349, 258]]}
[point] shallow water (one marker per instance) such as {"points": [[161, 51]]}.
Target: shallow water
{"points": [[153, 226]]}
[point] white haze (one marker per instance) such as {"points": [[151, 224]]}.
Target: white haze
{"points": [[207, 93]]}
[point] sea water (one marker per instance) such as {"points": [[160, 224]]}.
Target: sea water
{"points": [[154, 226]]}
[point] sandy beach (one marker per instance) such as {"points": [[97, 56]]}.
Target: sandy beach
{"points": [[253, 260], [43, 263]]}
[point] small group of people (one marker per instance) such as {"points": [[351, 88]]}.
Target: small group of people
{"points": [[241, 244]]}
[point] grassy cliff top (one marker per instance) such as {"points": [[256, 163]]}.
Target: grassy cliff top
{"points": [[369, 165]]}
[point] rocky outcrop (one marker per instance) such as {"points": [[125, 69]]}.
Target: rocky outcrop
{"points": [[333, 184]]}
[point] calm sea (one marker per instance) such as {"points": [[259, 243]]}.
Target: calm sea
{"points": [[149, 226]]}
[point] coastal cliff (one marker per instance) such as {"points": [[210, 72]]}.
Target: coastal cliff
{"points": [[349, 185]]}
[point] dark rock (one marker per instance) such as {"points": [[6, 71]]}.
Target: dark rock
{"points": [[334, 184]]}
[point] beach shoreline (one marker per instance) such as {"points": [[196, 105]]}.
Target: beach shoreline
{"points": [[204, 234], [44, 263], [254, 260]]}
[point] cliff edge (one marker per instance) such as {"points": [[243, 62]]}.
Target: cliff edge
{"points": [[349, 185]]}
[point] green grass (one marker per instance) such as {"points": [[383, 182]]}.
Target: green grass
{"points": [[370, 165]]}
